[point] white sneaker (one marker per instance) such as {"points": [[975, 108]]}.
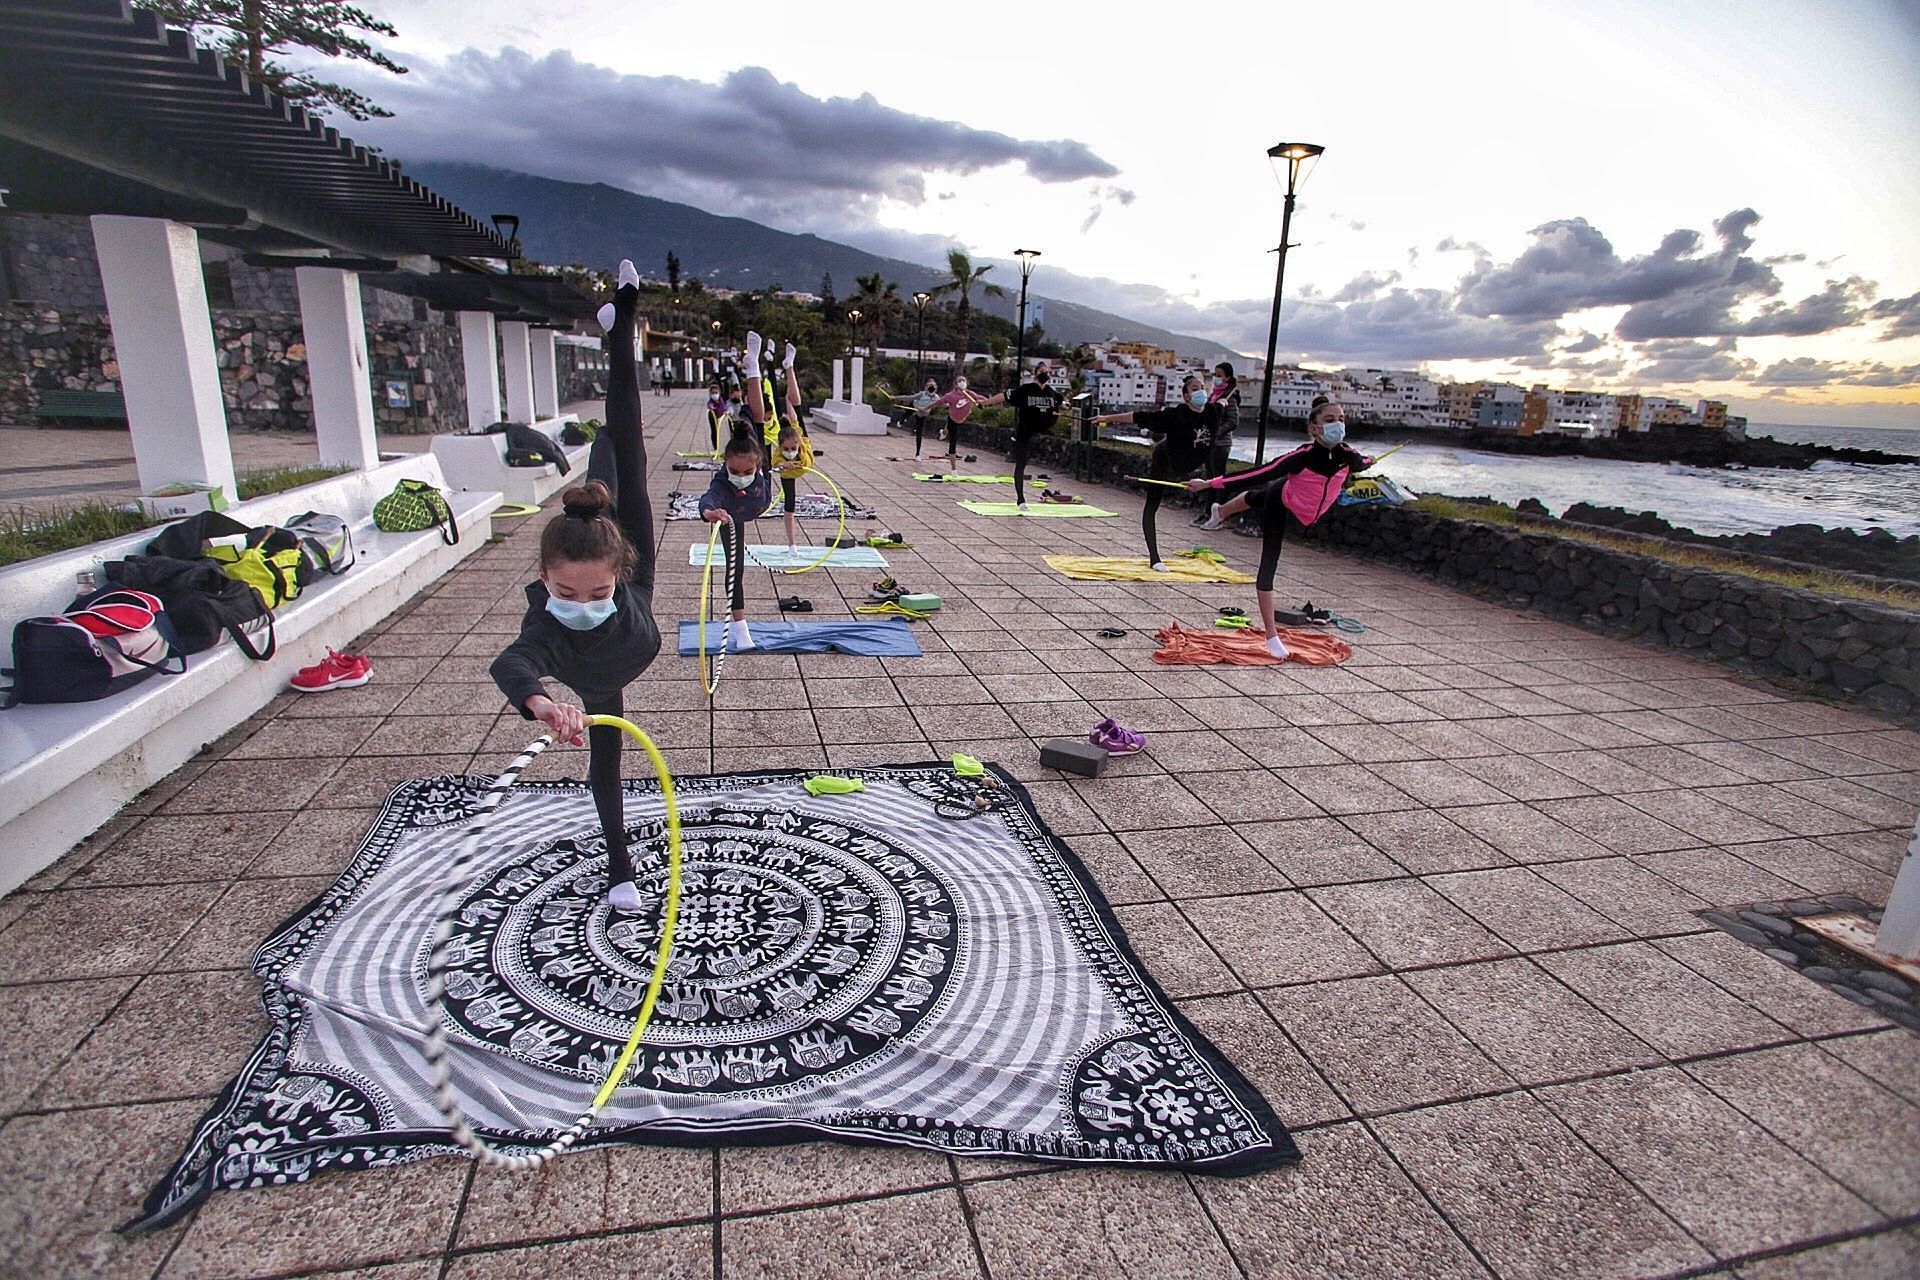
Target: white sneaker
{"points": [[1277, 649], [605, 316], [1023, 508], [752, 369], [625, 896], [627, 274], [739, 638], [1214, 519], [1160, 566]]}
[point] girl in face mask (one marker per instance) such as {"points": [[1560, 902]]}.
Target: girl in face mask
{"points": [[1305, 483], [716, 414], [589, 621], [738, 494], [796, 456], [959, 404], [1179, 433], [1225, 392], [919, 406]]}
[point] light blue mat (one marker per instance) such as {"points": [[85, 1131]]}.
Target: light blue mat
{"points": [[768, 556], [892, 638]]}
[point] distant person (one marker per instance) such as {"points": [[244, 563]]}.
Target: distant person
{"points": [[717, 414], [1178, 433], [918, 408], [1035, 406], [1305, 483], [1226, 394], [959, 404]]}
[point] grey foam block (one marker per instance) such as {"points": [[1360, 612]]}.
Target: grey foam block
{"points": [[1073, 756]]}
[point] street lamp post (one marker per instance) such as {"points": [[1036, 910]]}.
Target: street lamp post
{"points": [[1026, 257], [920, 301], [1294, 153], [853, 332]]}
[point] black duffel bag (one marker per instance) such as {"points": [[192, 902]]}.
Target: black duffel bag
{"points": [[203, 603]]}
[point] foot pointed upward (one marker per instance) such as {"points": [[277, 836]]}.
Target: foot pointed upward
{"points": [[606, 316], [752, 369], [628, 277], [790, 354]]}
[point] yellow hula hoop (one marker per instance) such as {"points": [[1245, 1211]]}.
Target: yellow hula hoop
{"points": [[706, 607], [834, 545], [436, 1048]]}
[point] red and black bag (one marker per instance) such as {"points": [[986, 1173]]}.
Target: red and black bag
{"points": [[108, 641]]}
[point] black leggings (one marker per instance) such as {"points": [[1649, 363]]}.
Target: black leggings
{"points": [[1217, 458], [735, 532], [786, 490], [619, 460], [919, 431], [1166, 464], [1265, 502], [1022, 446]]}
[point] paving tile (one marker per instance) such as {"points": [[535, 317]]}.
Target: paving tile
{"points": [[673, 1253], [1863, 1135], [193, 1030], [1816, 866], [1885, 1255], [912, 1237], [1699, 814], [1872, 808], [1623, 891], [1884, 1057], [1406, 924], [1205, 862], [1749, 760], [1145, 804], [1733, 1186], [1241, 1029], [756, 1179], [1310, 851], [369, 780], [1061, 808], [73, 1177], [291, 739], [1618, 825], [1425, 842], [1524, 834], [1529, 912], [1438, 783], [1175, 956], [1276, 938], [1362, 744], [1529, 1023], [606, 1189], [231, 931], [95, 933], [1662, 1001], [1114, 870], [166, 849], [1718, 876], [1786, 996], [45, 1021], [1094, 1224], [1530, 1196], [1341, 789], [1381, 1045], [1345, 1210], [266, 784]]}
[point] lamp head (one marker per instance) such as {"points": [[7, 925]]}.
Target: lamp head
{"points": [[1294, 151], [508, 225]]}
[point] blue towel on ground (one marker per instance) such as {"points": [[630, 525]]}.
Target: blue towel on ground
{"points": [[889, 639], [769, 556]]}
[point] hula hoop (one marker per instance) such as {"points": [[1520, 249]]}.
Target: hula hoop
{"points": [[436, 1048], [1165, 484], [834, 545], [706, 607]]}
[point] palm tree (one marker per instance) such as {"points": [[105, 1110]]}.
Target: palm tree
{"points": [[962, 277], [879, 304]]}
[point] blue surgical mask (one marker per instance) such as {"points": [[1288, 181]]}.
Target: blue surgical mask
{"points": [[581, 615], [1333, 432], [742, 482], [1197, 398]]}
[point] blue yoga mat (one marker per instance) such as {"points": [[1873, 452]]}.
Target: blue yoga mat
{"points": [[892, 638]]}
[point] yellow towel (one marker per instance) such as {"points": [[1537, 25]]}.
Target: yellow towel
{"points": [[1034, 509], [1117, 569]]}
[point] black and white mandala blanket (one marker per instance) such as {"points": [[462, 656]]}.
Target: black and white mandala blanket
{"points": [[806, 506], [922, 963]]}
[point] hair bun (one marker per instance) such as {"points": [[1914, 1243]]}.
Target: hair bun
{"points": [[588, 501]]}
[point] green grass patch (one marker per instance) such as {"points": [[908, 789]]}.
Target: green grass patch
{"points": [[1820, 581], [26, 534], [258, 484]]}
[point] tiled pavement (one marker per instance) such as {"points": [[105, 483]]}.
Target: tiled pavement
{"points": [[1437, 903]]}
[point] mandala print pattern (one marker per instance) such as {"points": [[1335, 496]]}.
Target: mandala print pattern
{"points": [[922, 963], [806, 506]]}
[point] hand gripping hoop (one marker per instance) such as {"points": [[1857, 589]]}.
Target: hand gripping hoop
{"points": [[436, 1047]]}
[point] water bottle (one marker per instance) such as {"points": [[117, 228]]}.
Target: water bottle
{"points": [[83, 582]]}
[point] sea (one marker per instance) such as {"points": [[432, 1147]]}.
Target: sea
{"points": [[1833, 495]]}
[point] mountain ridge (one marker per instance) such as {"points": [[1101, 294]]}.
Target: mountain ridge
{"points": [[597, 224]]}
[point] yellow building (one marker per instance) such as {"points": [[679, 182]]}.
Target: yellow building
{"points": [[1149, 356], [1457, 400], [1713, 415], [1534, 411], [1631, 407]]}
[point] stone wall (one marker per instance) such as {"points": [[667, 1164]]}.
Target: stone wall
{"points": [[1847, 649]]}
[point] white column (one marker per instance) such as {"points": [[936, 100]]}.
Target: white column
{"points": [[515, 347], [838, 386], [859, 387], [481, 358], [163, 339], [686, 371], [546, 376], [335, 329], [1899, 933]]}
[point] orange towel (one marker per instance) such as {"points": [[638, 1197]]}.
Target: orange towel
{"points": [[1247, 648]]}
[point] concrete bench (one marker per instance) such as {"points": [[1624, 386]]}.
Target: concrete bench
{"points": [[65, 769], [847, 419], [479, 463]]}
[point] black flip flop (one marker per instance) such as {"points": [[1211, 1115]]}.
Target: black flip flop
{"points": [[1110, 633], [794, 604], [1232, 611]]}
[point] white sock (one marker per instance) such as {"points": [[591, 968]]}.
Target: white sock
{"points": [[1215, 519], [1275, 648], [624, 895], [1023, 506], [752, 369], [738, 637], [628, 276], [1159, 566], [605, 316], [788, 362]]}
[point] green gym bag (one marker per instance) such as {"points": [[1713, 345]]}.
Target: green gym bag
{"points": [[415, 505], [271, 563]]}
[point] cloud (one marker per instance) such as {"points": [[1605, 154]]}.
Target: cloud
{"points": [[750, 145], [1670, 360], [1903, 312], [1364, 285], [1587, 341], [1805, 371], [1103, 199]]}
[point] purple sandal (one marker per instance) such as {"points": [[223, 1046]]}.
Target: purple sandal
{"points": [[1117, 740]]}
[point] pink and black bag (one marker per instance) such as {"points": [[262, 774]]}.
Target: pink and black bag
{"points": [[109, 641]]}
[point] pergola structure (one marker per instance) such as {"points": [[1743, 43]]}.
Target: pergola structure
{"points": [[106, 112]]}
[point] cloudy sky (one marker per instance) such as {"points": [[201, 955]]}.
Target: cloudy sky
{"points": [[1715, 198]]}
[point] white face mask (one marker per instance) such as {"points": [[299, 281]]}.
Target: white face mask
{"points": [[789, 454], [960, 385], [580, 615], [742, 482], [1334, 432]]}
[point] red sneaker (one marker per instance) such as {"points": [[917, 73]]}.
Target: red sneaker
{"points": [[338, 671]]}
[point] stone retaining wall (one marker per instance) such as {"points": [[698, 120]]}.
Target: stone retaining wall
{"points": [[1848, 649]]}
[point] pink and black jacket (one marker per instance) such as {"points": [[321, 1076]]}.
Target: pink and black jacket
{"points": [[1309, 479]]}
